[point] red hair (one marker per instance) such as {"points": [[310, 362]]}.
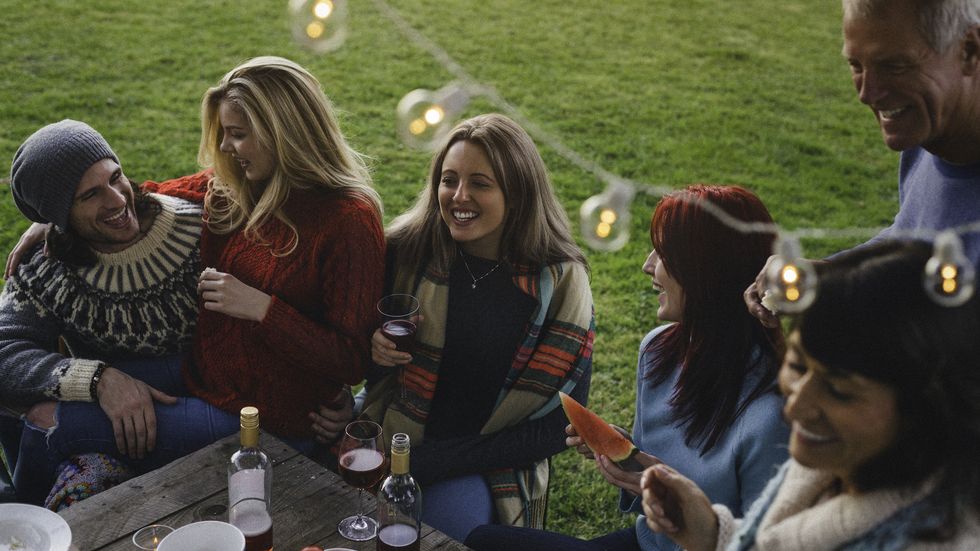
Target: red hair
{"points": [[716, 341]]}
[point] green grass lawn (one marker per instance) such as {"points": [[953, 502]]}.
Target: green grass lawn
{"points": [[750, 92]]}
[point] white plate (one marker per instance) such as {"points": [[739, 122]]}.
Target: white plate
{"points": [[33, 528]]}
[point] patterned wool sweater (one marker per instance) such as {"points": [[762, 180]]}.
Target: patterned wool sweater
{"points": [[135, 303]]}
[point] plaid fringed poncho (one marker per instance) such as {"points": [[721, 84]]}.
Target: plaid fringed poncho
{"points": [[554, 355]]}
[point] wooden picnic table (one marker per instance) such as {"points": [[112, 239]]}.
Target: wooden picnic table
{"points": [[308, 501]]}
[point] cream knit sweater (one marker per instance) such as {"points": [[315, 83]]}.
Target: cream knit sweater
{"points": [[802, 518]]}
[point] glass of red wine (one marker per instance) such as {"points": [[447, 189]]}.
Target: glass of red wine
{"points": [[399, 315], [361, 464]]}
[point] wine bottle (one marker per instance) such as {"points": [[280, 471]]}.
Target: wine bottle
{"points": [[399, 503], [250, 486]]}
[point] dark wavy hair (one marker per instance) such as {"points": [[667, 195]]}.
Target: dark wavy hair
{"points": [[717, 343], [872, 317]]}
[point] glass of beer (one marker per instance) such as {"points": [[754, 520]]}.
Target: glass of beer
{"points": [[362, 465]]}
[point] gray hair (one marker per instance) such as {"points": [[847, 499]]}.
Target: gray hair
{"points": [[941, 22]]}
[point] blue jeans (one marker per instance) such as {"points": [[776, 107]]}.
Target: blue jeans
{"points": [[82, 427], [456, 506], [510, 538]]}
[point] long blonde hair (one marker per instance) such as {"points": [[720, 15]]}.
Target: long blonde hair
{"points": [[291, 118], [536, 229]]}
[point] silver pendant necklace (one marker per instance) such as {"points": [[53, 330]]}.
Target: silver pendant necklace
{"points": [[476, 279]]}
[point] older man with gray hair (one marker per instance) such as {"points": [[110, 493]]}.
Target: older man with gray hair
{"points": [[916, 65]]}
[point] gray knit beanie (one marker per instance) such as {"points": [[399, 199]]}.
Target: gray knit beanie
{"points": [[49, 165]]}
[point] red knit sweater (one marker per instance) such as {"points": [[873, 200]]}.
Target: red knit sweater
{"points": [[316, 334]]}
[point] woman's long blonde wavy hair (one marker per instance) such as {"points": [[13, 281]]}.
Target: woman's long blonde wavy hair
{"points": [[290, 117]]}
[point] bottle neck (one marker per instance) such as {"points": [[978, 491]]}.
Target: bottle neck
{"points": [[250, 437], [399, 462]]}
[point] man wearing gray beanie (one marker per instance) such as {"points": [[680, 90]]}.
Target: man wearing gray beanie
{"points": [[48, 167], [119, 288]]}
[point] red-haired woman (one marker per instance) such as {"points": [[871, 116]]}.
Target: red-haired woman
{"points": [[706, 400]]}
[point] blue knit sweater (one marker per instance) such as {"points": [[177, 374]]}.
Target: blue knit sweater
{"points": [[733, 472], [936, 195]]}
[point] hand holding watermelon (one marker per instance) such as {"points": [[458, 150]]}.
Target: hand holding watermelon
{"points": [[597, 436]]}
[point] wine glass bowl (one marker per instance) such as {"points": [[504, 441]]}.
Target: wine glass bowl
{"points": [[362, 465], [399, 314]]}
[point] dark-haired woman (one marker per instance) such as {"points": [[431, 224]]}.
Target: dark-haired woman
{"points": [[706, 400], [882, 390]]}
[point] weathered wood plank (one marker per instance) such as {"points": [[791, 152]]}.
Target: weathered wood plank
{"points": [[147, 499], [308, 501]]}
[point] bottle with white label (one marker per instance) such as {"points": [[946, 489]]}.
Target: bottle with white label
{"points": [[399, 503], [250, 486]]}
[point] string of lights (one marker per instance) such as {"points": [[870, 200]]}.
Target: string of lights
{"points": [[605, 218], [424, 117]]}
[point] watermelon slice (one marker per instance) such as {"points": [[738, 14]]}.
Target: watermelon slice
{"points": [[599, 435]]}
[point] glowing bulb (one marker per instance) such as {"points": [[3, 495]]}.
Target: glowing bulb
{"points": [[949, 286], [425, 117], [417, 126], [314, 30], [323, 9], [608, 217], [434, 115], [792, 294], [790, 275], [791, 281], [949, 274], [605, 217], [318, 25]]}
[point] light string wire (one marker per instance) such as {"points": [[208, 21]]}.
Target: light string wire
{"points": [[949, 277], [475, 87]]}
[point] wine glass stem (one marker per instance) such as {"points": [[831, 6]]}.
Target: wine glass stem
{"points": [[360, 510]]}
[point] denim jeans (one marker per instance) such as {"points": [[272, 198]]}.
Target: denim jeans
{"points": [[458, 505], [496, 538], [82, 427]]}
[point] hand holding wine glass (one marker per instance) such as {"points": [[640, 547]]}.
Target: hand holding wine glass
{"points": [[399, 314], [361, 464]]}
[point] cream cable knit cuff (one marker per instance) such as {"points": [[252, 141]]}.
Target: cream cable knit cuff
{"points": [[74, 384]]}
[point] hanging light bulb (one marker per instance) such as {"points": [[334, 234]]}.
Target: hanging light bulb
{"points": [[605, 217], [319, 25], [949, 274], [425, 117], [791, 281]]}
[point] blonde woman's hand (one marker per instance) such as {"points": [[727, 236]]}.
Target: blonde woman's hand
{"points": [[675, 506], [33, 235], [384, 353], [224, 293]]}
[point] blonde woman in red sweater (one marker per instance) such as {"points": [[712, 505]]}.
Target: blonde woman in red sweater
{"points": [[294, 253]]}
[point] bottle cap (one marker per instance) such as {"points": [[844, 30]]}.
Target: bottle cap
{"points": [[250, 417], [400, 443]]}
